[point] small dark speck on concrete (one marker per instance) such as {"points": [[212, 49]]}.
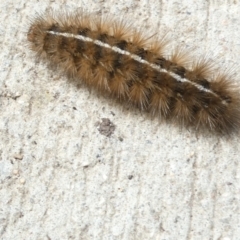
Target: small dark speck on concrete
{"points": [[130, 177], [120, 139], [18, 156], [74, 108], [106, 127]]}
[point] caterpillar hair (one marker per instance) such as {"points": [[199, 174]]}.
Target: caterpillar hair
{"points": [[113, 59]]}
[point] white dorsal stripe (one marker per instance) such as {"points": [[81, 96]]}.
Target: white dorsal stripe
{"points": [[135, 57]]}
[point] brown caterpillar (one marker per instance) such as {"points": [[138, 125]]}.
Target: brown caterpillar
{"points": [[109, 57]]}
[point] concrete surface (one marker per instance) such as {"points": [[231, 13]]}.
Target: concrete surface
{"points": [[62, 176]]}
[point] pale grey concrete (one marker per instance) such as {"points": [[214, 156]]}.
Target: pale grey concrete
{"points": [[61, 177]]}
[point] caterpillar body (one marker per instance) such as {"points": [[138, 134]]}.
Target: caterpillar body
{"points": [[110, 57]]}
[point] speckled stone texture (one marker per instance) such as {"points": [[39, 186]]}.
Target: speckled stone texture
{"points": [[74, 165]]}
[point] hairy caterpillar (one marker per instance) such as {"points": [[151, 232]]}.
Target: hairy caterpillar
{"points": [[113, 59]]}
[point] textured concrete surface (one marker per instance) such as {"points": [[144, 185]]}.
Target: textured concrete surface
{"points": [[64, 176]]}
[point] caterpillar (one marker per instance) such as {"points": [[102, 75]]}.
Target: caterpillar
{"points": [[111, 58]]}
